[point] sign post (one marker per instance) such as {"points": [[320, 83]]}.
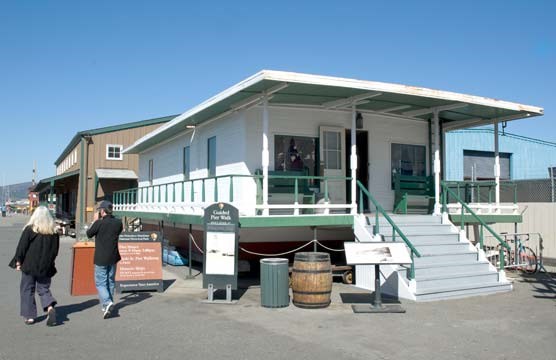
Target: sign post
{"points": [[220, 260], [377, 253], [141, 265]]}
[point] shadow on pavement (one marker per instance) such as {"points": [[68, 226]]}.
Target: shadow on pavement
{"points": [[63, 311], [544, 285], [129, 299], [366, 298], [167, 283]]}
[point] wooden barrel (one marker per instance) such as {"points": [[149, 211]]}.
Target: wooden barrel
{"points": [[311, 280]]}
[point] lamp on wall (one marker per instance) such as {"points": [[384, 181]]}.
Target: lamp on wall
{"points": [[359, 120]]}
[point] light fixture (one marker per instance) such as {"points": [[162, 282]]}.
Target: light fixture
{"points": [[359, 120]]}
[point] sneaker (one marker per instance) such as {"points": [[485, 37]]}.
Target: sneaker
{"points": [[51, 317], [108, 310]]}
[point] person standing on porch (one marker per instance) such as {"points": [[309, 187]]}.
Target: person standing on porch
{"points": [[35, 254], [106, 229]]}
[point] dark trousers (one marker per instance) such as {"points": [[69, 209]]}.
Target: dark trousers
{"points": [[27, 293]]}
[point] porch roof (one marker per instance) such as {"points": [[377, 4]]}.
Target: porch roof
{"points": [[325, 92]]}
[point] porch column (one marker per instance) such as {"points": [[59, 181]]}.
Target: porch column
{"points": [[265, 155], [436, 168], [496, 166], [353, 160]]}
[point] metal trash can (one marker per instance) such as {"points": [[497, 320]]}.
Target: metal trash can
{"points": [[275, 283]]}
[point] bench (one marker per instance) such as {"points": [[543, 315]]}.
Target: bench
{"points": [[413, 194], [282, 190]]}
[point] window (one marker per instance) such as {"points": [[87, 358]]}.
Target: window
{"points": [[293, 153], [408, 160], [151, 171], [114, 152], [211, 156], [186, 162], [332, 150], [479, 165]]}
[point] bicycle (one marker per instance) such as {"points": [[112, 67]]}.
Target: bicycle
{"points": [[526, 259]]}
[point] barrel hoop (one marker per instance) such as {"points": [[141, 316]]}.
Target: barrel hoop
{"points": [[312, 271], [302, 303], [312, 292], [312, 260]]}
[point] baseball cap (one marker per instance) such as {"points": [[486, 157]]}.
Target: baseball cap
{"points": [[106, 205]]}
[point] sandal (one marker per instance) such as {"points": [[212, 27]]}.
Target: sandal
{"points": [[29, 321]]}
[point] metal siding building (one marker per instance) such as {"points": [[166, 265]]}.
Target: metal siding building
{"points": [[529, 159]]}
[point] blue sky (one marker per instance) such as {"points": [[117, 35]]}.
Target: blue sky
{"points": [[67, 66]]}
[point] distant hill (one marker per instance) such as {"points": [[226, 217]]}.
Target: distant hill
{"points": [[15, 192]]}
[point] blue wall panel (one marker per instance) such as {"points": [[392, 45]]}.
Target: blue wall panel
{"points": [[530, 158]]}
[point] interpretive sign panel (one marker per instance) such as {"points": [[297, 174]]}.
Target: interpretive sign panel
{"points": [[360, 253], [141, 265], [221, 246]]}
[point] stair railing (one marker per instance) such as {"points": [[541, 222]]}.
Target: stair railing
{"points": [[446, 191], [395, 229]]}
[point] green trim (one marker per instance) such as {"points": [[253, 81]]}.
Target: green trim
{"points": [[96, 186], [75, 140], [59, 177], [489, 219], [250, 221], [82, 181], [293, 221]]}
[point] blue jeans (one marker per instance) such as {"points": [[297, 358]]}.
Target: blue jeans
{"points": [[104, 281]]}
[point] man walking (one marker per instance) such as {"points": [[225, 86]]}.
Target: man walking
{"points": [[106, 229]]}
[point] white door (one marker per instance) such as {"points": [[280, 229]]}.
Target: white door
{"points": [[332, 147]]}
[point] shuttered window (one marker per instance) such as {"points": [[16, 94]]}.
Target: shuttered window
{"points": [[479, 165]]}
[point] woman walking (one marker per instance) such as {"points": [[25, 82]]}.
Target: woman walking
{"points": [[34, 257]]}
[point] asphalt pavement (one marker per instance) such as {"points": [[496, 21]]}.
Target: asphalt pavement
{"points": [[176, 324]]}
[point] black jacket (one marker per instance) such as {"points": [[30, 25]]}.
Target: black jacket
{"points": [[36, 253], [106, 232]]}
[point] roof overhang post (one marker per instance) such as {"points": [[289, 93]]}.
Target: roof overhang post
{"points": [[51, 193], [265, 155], [353, 159], [436, 168], [496, 166]]}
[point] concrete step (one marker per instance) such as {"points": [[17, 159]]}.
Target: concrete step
{"points": [[464, 279], [454, 292], [444, 248], [459, 257], [408, 219], [427, 239], [415, 229], [451, 268]]}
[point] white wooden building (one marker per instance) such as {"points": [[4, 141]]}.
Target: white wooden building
{"points": [[299, 153]]}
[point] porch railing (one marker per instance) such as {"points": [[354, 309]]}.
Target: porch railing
{"points": [[481, 195], [447, 192], [395, 229], [196, 192]]}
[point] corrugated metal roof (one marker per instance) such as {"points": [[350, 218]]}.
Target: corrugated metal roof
{"points": [[323, 91], [116, 174]]}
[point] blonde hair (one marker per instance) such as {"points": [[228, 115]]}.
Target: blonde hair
{"points": [[41, 221]]}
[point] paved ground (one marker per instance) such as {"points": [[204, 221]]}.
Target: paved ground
{"points": [[174, 324]]}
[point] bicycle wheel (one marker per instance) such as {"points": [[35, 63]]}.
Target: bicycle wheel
{"points": [[527, 260]]}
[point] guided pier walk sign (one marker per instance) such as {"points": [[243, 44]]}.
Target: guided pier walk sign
{"points": [[141, 265], [221, 250]]}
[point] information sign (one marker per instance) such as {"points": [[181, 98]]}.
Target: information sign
{"points": [[141, 265], [221, 246]]}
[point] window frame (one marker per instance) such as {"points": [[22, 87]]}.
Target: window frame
{"points": [[186, 162], [211, 156], [151, 171], [120, 147], [416, 145]]}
